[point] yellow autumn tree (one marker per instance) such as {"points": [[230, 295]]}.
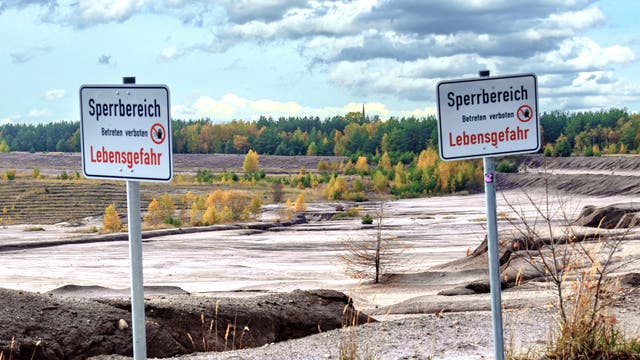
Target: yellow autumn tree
{"points": [[445, 175], [250, 164], [400, 177], [362, 165], [336, 188], [385, 162], [427, 159], [166, 206], [287, 212], [256, 205], [196, 211], [111, 220], [153, 217], [300, 204], [211, 216]]}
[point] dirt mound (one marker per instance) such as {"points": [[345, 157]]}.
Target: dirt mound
{"points": [[601, 163], [585, 184], [608, 217], [46, 326]]}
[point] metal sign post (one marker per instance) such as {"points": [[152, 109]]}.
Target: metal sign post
{"points": [[485, 117], [494, 257], [126, 135], [135, 258], [493, 249]]}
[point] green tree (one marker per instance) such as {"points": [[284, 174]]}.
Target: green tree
{"points": [[380, 182], [4, 147], [562, 146], [312, 150], [549, 150]]}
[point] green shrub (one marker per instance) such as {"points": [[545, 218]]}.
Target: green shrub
{"points": [[507, 166], [9, 175], [367, 219], [204, 176], [172, 221]]}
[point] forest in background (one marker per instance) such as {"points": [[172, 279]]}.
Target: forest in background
{"points": [[398, 157], [613, 131]]}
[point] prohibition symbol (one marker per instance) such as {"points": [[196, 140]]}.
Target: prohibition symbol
{"points": [[524, 113], [158, 134]]}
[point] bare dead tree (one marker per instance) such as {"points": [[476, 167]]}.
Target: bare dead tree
{"points": [[372, 257]]}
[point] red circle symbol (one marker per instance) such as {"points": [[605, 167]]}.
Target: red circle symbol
{"points": [[524, 113], [158, 133]]}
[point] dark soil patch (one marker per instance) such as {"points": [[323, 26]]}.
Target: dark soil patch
{"points": [[48, 326]]}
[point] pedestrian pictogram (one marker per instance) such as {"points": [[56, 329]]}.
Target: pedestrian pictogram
{"points": [[524, 113], [158, 134]]}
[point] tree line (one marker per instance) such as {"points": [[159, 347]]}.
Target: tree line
{"points": [[613, 131]]}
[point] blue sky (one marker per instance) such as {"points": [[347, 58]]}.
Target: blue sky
{"points": [[239, 59]]}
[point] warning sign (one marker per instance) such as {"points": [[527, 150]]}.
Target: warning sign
{"points": [[488, 116], [125, 132]]}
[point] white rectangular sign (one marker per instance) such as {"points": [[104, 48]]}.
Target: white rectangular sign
{"points": [[126, 132], [488, 116]]}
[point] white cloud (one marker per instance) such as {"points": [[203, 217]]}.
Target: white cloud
{"points": [[576, 20], [33, 116], [414, 80], [584, 54], [589, 90], [92, 12], [319, 18], [25, 55], [54, 94], [171, 53]]}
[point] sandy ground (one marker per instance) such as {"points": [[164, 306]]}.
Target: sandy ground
{"points": [[304, 256]]}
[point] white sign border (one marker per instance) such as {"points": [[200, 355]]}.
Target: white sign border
{"points": [[501, 153], [168, 140]]}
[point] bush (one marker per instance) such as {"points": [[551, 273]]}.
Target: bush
{"points": [[173, 222], [367, 219], [204, 176], [9, 175], [507, 166]]}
